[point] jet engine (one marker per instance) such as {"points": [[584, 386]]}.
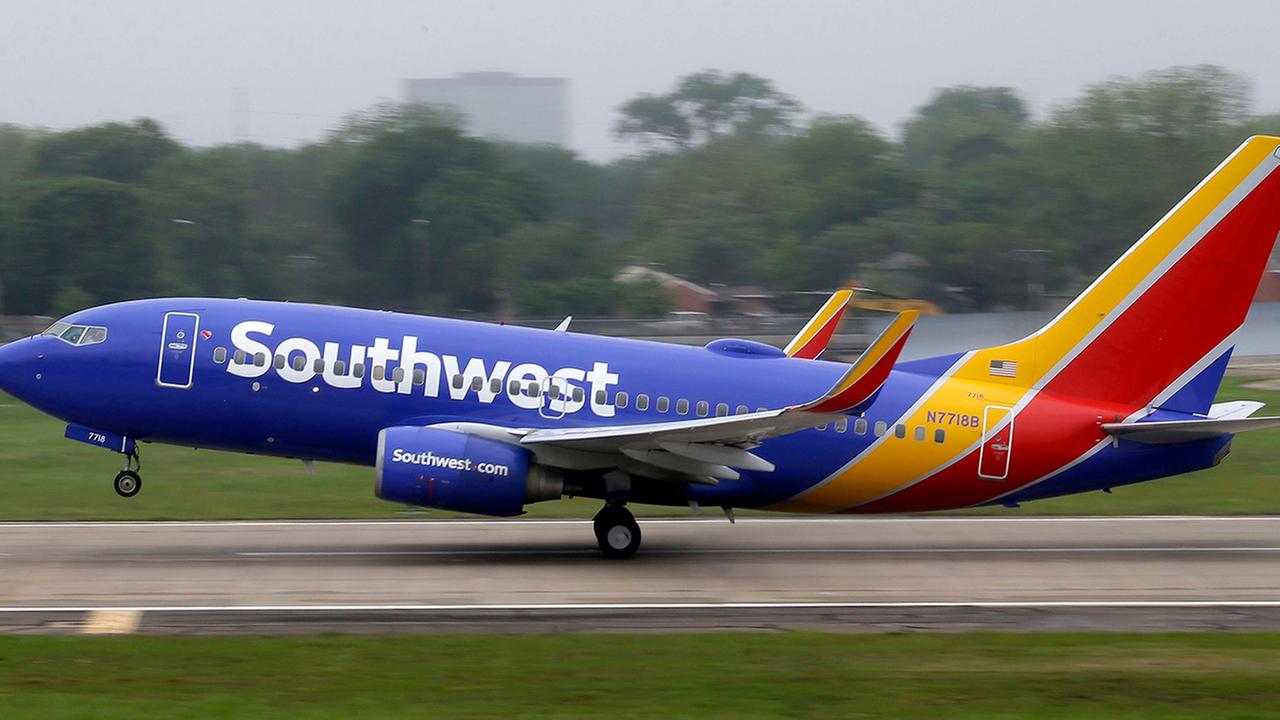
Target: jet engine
{"points": [[451, 470]]}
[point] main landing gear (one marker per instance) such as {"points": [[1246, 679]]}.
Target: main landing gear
{"points": [[128, 481], [617, 532]]}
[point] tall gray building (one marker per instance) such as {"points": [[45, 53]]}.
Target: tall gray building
{"points": [[501, 106]]}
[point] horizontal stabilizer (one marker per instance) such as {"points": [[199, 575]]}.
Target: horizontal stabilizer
{"points": [[864, 378], [1169, 432], [815, 336]]}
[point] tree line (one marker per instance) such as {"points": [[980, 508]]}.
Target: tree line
{"points": [[974, 204]]}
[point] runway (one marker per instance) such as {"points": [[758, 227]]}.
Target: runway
{"points": [[909, 573]]}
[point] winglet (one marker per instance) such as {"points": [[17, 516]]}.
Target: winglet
{"points": [[816, 334], [865, 376]]}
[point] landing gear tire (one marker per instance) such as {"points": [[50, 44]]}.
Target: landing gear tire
{"points": [[128, 483], [617, 532]]}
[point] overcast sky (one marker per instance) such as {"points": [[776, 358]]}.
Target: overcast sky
{"points": [[303, 64]]}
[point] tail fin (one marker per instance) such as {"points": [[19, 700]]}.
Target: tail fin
{"points": [[1156, 328]]}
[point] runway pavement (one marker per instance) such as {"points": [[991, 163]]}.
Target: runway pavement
{"points": [[943, 573]]}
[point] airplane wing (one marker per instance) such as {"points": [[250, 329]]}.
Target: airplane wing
{"points": [[816, 334], [706, 449]]}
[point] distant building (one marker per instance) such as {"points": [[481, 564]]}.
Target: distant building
{"points": [[500, 105]]}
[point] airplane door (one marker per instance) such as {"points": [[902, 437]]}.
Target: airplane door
{"points": [[553, 399], [178, 350], [997, 442]]}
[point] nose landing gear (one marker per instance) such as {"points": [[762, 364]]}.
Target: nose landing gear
{"points": [[617, 532], [128, 482]]}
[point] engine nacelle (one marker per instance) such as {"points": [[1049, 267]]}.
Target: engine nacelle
{"points": [[457, 471]]}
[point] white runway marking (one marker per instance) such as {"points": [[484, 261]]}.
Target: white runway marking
{"points": [[762, 551], [445, 522], [112, 622], [994, 605]]}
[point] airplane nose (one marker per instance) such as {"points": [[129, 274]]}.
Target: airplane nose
{"points": [[15, 365]]}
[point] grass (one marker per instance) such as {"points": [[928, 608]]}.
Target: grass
{"points": [[47, 478], [796, 675]]}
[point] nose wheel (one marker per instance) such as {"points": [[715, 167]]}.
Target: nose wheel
{"points": [[128, 482], [617, 532]]}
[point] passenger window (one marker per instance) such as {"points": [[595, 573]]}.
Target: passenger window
{"points": [[239, 357], [722, 409], [357, 370], [842, 425], [920, 431], [299, 363], [457, 382], [939, 436], [477, 384], [260, 359], [339, 367], [602, 398], [379, 372], [703, 408], [620, 400], [397, 375], [533, 389], [881, 428], [664, 403], [642, 402], [742, 410], [899, 431], [220, 355], [579, 394], [495, 385], [682, 406], [419, 376], [513, 388], [860, 426], [553, 391], [318, 365], [278, 362]]}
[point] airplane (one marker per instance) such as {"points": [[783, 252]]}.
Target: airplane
{"points": [[481, 418]]}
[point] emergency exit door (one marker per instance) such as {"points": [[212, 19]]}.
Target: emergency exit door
{"points": [[178, 350], [997, 442]]}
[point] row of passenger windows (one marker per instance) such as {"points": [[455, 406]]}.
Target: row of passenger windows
{"points": [[621, 399]]}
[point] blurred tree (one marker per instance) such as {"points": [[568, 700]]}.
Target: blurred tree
{"points": [[962, 124], [1110, 164], [706, 106], [851, 171], [16, 146], [367, 125], [714, 212], [75, 240], [112, 151], [198, 205]]}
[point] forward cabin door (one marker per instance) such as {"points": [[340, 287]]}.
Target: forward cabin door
{"points": [[178, 350], [997, 442]]}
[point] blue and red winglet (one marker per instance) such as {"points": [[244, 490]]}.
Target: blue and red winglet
{"points": [[864, 378]]}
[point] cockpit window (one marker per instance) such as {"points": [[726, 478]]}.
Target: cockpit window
{"points": [[77, 334], [73, 334]]}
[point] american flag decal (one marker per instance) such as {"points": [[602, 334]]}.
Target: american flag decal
{"points": [[1003, 368]]}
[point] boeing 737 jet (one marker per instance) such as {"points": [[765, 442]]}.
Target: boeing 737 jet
{"points": [[1119, 388]]}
